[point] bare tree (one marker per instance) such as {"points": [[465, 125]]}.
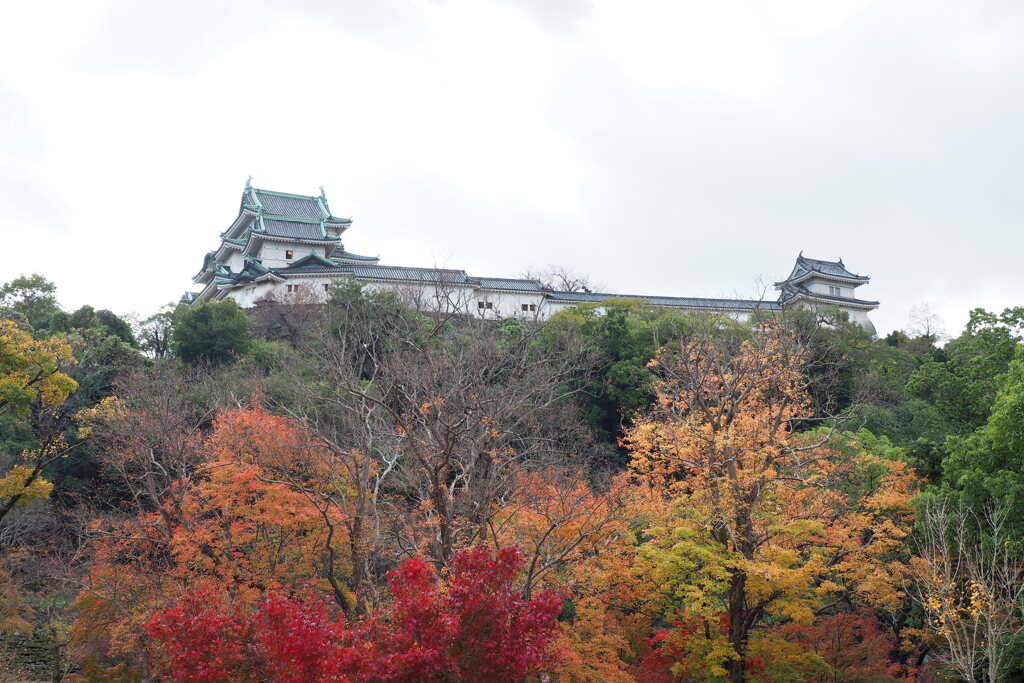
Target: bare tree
{"points": [[562, 279], [429, 423], [969, 580], [925, 322]]}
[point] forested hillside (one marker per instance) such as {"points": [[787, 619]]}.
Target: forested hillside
{"points": [[359, 492]]}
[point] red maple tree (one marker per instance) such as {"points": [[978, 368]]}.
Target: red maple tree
{"points": [[475, 628]]}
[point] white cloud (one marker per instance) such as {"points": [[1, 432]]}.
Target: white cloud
{"points": [[664, 147]]}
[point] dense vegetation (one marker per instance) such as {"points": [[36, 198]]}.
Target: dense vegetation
{"points": [[357, 491]]}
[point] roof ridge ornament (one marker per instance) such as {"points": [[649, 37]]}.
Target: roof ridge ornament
{"points": [[323, 195], [248, 183]]}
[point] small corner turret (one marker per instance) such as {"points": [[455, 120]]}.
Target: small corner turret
{"points": [[814, 283]]}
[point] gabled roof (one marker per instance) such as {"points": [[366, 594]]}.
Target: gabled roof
{"points": [[290, 205], [312, 263], [808, 267]]}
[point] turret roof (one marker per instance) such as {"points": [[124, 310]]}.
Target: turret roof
{"points": [[290, 205], [806, 267]]}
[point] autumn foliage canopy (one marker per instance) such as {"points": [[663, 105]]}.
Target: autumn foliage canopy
{"points": [[477, 628]]}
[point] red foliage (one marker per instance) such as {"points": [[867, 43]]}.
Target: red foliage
{"points": [[843, 647], [205, 640], [673, 654], [480, 629], [852, 645]]}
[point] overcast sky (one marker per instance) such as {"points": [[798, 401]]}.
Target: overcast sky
{"points": [[660, 146]]}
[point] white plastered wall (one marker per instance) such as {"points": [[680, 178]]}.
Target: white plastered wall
{"points": [[275, 254]]}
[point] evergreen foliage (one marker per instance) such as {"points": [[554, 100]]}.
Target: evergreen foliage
{"points": [[212, 332]]}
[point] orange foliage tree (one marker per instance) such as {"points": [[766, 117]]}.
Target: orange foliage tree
{"points": [[758, 522], [211, 510]]}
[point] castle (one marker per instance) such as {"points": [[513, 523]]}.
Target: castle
{"points": [[288, 247]]}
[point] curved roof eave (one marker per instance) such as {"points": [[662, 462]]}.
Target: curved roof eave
{"points": [[833, 301], [855, 281]]}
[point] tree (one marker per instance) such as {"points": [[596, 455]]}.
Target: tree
{"points": [[31, 296], [207, 508], [211, 332], [760, 522], [33, 384], [477, 628], [557, 519], [156, 332], [926, 323], [986, 467], [963, 387], [847, 647], [448, 416], [562, 279], [620, 337], [969, 580], [87, 320]]}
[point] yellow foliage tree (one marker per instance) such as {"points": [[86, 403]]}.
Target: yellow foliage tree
{"points": [[31, 378], [759, 522]]}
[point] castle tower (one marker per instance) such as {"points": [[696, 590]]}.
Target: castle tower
{"points": [[814, 284]]}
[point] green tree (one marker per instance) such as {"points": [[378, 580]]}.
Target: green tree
{"points": [[87, 319], [623, 335], [212, 332], [964, 387], [987, 466], [32, 297]]}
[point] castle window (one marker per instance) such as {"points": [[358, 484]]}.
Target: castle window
{"points": [[479, 304], [327, 288], [835, 291], [525, 307], [533, 307], [490, 305], [289, 253], [290, 288]]}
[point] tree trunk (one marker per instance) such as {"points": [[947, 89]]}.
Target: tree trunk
{"points": [[358, 563], [737, 626], [443, 509]]}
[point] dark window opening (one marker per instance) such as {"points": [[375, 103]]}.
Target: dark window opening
{"points": [[289, 253]]}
